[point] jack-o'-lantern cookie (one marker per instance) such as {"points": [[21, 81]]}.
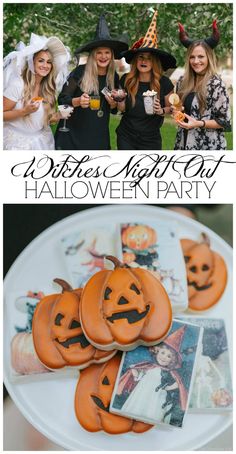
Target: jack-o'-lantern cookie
{"points": [[124, 308], [92, 400], [57, 334], [206, 273]]}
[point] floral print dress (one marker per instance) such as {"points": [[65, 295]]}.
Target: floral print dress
{"points": [[218, 109]]}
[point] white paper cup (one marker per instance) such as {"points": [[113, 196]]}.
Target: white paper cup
{"points": [[149, 104]]}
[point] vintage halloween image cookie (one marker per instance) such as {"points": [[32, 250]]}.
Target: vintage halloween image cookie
{"points": [[154, 383], [124, 307], [206, 273], [92, 400], [57, 334], [156, 247]]}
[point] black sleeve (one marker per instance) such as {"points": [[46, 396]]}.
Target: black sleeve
{"points": [[167, 85], [70, 87], [122, 81], [117, 82]]}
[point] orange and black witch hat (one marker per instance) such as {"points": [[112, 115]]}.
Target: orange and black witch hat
{"points": [[149, 43]]}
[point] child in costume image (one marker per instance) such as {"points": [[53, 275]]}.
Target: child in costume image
{"points": [[156, 391], [204, 97], [139, 130], [33, 75], [89, 129]]}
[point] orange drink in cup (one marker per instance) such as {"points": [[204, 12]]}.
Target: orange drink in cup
{"points": [[174, 100], [94, 102]]}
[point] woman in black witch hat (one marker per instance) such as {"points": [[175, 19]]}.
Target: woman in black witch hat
{"points": [[204, 96], [139, 130], [89, 129]]}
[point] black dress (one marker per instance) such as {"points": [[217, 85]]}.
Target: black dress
{"points": [[137, 130], [87, 130]]}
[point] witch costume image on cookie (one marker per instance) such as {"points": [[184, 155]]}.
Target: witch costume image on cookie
{"points": [[154, 383], [88, 126]]}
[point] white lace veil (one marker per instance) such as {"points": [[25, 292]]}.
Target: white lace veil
{"points": [[14, 63]]}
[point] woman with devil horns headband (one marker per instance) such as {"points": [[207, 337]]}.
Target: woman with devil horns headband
{"points": [[139, 130], [204, 97]]}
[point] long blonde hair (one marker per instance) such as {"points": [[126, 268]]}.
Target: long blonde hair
{"points": [[191, 82], [47, 89], [89, 82], [132, 78]]}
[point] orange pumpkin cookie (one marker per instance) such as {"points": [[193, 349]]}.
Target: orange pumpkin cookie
{"points": [[57, 334], [92, 400], [124, 308], [206, 273]]}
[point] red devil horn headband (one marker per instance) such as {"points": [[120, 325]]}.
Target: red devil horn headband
{"points": [[212, 41]]}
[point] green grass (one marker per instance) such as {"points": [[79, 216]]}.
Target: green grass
{"points": [[168, 132]]}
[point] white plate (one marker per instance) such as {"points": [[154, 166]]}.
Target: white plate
{"points": [[48, 404]]}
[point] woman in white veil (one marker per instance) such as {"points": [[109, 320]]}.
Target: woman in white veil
{"points": [[33, 76]]}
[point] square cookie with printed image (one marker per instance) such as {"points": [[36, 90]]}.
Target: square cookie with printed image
{"points": [[157, 248], [84, 252], [212, 390], [154, 383], [21, 306]]}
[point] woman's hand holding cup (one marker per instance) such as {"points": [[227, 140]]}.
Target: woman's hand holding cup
{"points": [[157, 107], [84, 101]]}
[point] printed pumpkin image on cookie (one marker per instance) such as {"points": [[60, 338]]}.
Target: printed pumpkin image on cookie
{"points": [[124, 307], [92, 400], [206, 273], [57, 334]]}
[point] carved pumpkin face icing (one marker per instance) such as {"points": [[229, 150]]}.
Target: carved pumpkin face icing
{"points": [[139, 237], [206, 273], [92, 400], [124, 308], [57, 334]]}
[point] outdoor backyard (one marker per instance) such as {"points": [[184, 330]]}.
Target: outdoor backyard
{"points": [[168, 132]]}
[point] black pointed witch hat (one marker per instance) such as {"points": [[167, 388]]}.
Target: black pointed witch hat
{"points": [[103, 39]]}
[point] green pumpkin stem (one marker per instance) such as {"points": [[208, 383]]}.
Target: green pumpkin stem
{"points": [[115, 261], [65, 286], [206, 239]]}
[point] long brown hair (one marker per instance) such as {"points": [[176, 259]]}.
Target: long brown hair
{"points": [[132, 78], [47, 89], [191, 82]]}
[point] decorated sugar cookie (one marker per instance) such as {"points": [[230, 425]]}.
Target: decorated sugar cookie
{"points": [[206, 273], [124, 307], [57, 334], [92, 400]]}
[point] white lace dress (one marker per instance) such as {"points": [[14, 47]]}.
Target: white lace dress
{"points": [[29, 132]]}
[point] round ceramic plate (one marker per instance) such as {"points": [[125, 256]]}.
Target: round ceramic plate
{"points": [[49, 404]]}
